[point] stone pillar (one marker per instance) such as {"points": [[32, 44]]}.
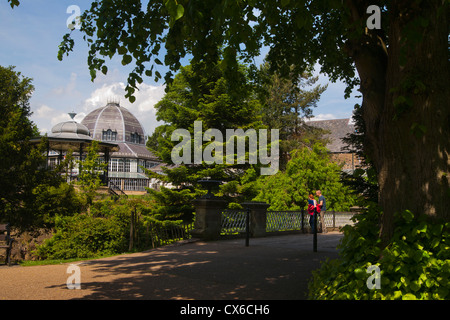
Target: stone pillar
{"points": [[258, 217], [208, 218]]}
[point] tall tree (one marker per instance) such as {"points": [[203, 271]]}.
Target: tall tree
{"points": [[91, 167], [401, 65], [200, 93], [22, 166], [286, 103]]}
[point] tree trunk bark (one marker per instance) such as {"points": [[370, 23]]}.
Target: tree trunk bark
{"points": [[406, 112], [414, 143]]}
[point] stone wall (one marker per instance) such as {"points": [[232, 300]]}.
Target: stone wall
{"points": [[24, 244]]}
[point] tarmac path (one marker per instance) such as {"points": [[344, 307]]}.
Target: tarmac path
{"points": [[271, 268]]}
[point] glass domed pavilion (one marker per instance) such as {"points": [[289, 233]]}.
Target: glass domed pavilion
{"points": [[114, 124], [121, 143]]}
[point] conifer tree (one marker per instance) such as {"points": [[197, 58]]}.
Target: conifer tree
{"points": [[200, 94]]}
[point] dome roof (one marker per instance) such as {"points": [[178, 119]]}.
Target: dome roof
{"points": [[115, 124], [122, 123], [70, 130]]}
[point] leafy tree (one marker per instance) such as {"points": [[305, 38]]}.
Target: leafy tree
{"points": [[91, 167], [307, 171], [286, 102], [402, 69], [22, 166], [201, 94], [415, 265], [52, 201]]}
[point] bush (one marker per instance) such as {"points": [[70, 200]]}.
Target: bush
{"points": [[415, 265], [105, 230], [85, 236]]}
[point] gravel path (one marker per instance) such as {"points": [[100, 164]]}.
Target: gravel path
{"points": [[275, 268]]}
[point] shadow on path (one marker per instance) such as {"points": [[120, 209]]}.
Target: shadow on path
{"points": [[272, 268]]}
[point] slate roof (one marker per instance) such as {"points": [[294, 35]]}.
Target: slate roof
{"points": [[338, 129], [132, 150]]}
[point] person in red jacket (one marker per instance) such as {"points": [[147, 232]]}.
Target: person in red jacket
{"points": [[312, 208]]}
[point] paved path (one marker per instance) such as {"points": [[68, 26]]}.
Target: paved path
{"points": [[271, 268]]}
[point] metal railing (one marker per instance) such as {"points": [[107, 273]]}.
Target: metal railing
{"points": [[234, 221], [338, 219], [286, 221]]}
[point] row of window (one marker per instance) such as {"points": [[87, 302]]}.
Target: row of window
{"points": [[109, 135], [117, 165], [130, 184], [127, 165]]}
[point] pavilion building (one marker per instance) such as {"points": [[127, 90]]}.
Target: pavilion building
{"points": [[114, 124], [122, 144]]}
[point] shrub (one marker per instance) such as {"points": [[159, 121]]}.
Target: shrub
{"points": [[105, 230], [415, 265], [85, 236]]}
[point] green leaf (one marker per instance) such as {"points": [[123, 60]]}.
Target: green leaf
{"points": [[179, 12], [418, 129], [126, 59], [397, 294], [360, 273], [415, 286], [408, 216], [176, 11], [409, 296], [93, 74], [122, 50]]}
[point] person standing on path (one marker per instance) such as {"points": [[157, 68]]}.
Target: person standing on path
{"points": [[323, 208]]}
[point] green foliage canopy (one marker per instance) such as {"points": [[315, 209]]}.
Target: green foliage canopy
{"points": [[29, 192], [415, 265], [308, 170]]}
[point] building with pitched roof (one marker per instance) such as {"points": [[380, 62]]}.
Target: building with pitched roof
{"points": [[337, 129]]}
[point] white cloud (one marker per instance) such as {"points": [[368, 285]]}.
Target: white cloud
{"points": [[47, 117], [44, 111], [143, 108], [102, 95], [60, 117]]}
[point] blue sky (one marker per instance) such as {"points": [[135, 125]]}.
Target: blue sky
{"points": [[29, 37]]}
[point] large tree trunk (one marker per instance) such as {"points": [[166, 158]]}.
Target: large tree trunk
{"points": [[406, 111]]}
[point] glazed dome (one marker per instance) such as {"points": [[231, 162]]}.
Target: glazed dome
{"points": [[114, 123], [70, 130]]}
